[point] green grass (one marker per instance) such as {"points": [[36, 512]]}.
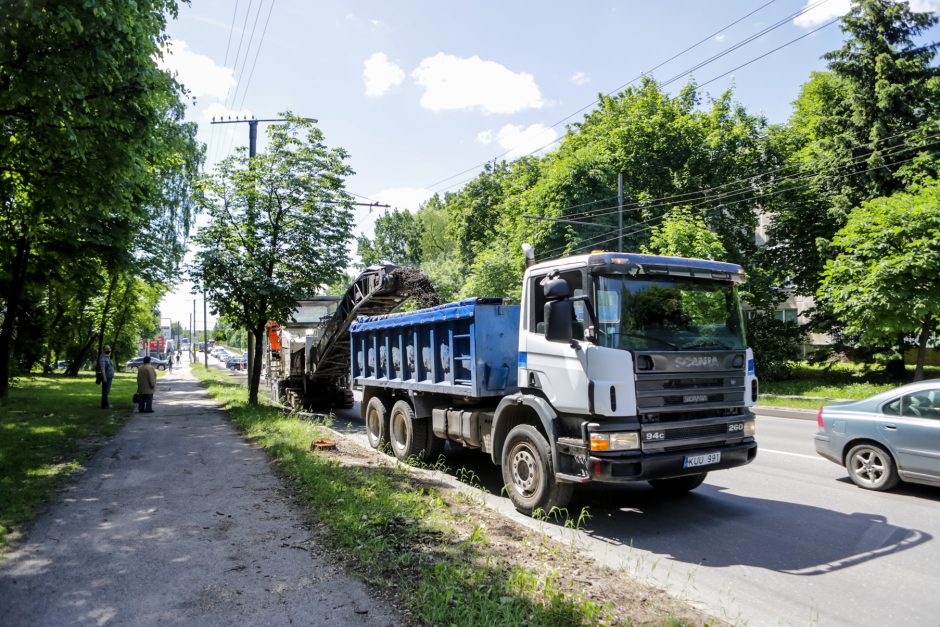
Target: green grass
{"points": [[829, 383], [402, 535], [45, 429]]}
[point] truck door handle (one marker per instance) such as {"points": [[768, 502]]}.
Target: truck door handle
{"points": [[889, 427]]}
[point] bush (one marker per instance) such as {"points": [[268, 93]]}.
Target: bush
{"points": [[776, 345]]}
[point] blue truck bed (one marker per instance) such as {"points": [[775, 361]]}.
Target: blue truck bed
{"points": [[467, 349]]}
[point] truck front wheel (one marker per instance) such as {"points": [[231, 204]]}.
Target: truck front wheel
{"points": [[376, 422], [528, 472], [407, 434]]}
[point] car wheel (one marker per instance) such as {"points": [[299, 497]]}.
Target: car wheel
{"points": [[871, 467], [528, 473], [376, 422], [678, 485]]}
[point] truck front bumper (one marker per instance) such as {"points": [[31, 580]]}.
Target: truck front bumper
{"points": [[637, 466]]}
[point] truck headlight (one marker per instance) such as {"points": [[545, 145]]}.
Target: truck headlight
{"points": [[615, 441], [750, 428]]}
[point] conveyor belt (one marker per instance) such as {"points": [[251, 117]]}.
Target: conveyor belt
{"points": [[378, 290]]}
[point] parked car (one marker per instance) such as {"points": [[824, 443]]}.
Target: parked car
{"points": [[133, 364], [890, 437], [237, 362]]}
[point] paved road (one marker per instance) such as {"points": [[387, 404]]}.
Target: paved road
{"points": [[787, 540], [179, 521]]}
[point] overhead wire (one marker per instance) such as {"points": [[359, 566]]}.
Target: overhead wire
{"points": [[241, 74], [594, 241], [712, 59], [211, 143], [257, 54]]}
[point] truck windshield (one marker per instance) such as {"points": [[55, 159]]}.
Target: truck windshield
{"points": [[668, 314]]}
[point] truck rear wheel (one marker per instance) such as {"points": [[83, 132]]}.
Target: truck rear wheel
{"points": [[407, 434], [678, 485], [376, 422], [528, 472]]}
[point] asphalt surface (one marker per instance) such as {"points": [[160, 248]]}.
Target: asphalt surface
{"points": [[178, 521]]}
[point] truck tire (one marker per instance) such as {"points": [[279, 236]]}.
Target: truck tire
{"points": [[377, 422], [678, 485], [528, 472], [407, 435]]}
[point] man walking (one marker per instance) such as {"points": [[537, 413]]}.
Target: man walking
{"points": [[106, 370], [146, 386]]}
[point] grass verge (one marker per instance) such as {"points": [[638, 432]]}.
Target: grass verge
{"points": [[828, 383], [48, 426], [445, 559]]}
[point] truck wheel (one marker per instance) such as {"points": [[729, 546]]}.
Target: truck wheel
{"points": [[407, 435], [678, 485], [376, 422], [528, 472]]}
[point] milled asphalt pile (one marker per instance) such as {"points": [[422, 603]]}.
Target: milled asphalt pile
{"points": [[178, 520]]}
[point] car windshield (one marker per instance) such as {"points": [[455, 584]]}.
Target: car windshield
{"points": [[668, 314]]}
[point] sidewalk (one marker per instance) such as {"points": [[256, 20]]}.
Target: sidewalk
{"points": [[178, 520]]}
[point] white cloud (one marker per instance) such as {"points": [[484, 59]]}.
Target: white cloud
{"points": [[580, 78], [519, 141], [720, 38], [198, 72], [926, 5], [454, 83], [408, 198], [380, 75]]}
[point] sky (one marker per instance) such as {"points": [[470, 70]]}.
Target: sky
{"points": [[422, 93]]}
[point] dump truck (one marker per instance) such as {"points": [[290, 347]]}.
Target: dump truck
{"points": [[614, 368]]}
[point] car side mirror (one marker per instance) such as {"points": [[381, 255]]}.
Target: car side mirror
{"points": [[558, 317]]}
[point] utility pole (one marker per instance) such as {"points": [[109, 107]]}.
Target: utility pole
{"points": [[252, 151], [192, 341], [620, 212], [205, 330]]}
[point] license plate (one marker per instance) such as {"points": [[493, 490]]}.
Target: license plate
{"points": [[691, 461], [695, 398]]}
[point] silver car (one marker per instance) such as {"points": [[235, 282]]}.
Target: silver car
{"points": [[890, 437]]}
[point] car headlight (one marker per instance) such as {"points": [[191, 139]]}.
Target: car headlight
{"points": [[615, 441]]}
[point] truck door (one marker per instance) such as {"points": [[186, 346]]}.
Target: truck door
{"points": [[556, 368]]}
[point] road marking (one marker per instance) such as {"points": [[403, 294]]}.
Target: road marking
{"points": [[770, 450]]}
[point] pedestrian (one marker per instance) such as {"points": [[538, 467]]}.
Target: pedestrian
{"points": [[146, 386], [106, 374], [169, 362]]}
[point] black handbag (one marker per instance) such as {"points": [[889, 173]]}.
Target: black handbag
{"points": [[136, 398]]}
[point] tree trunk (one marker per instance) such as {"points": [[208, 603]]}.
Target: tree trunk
{"points": [[17, 285], [82, 355], [255, 381], [925, 330], [104, 312]]}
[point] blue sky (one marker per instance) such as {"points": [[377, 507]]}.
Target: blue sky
{"points": [[418, 91]]}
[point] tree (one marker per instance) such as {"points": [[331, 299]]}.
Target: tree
{"points": [[397, 239], [857, 133], [93, 152], [884, 282], [683, 233], [277, 231]]}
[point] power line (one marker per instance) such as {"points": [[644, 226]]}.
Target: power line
{"points": [[778, 24], [225, 64], [226, 103], [705, 205], [257, 54], [241, 74]]}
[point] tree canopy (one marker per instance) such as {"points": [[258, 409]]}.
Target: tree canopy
{"points": [[278, 228]]}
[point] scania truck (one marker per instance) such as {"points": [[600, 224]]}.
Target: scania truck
{"points": [[615, 367]]}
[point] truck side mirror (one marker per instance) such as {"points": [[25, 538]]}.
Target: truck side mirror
{"points": [[558, 317]]}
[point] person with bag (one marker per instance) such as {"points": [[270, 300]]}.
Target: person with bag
{"points": [[146, 386], [104, 375]]}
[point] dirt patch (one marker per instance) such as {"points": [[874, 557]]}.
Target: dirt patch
{"points": [[509, 544]]}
